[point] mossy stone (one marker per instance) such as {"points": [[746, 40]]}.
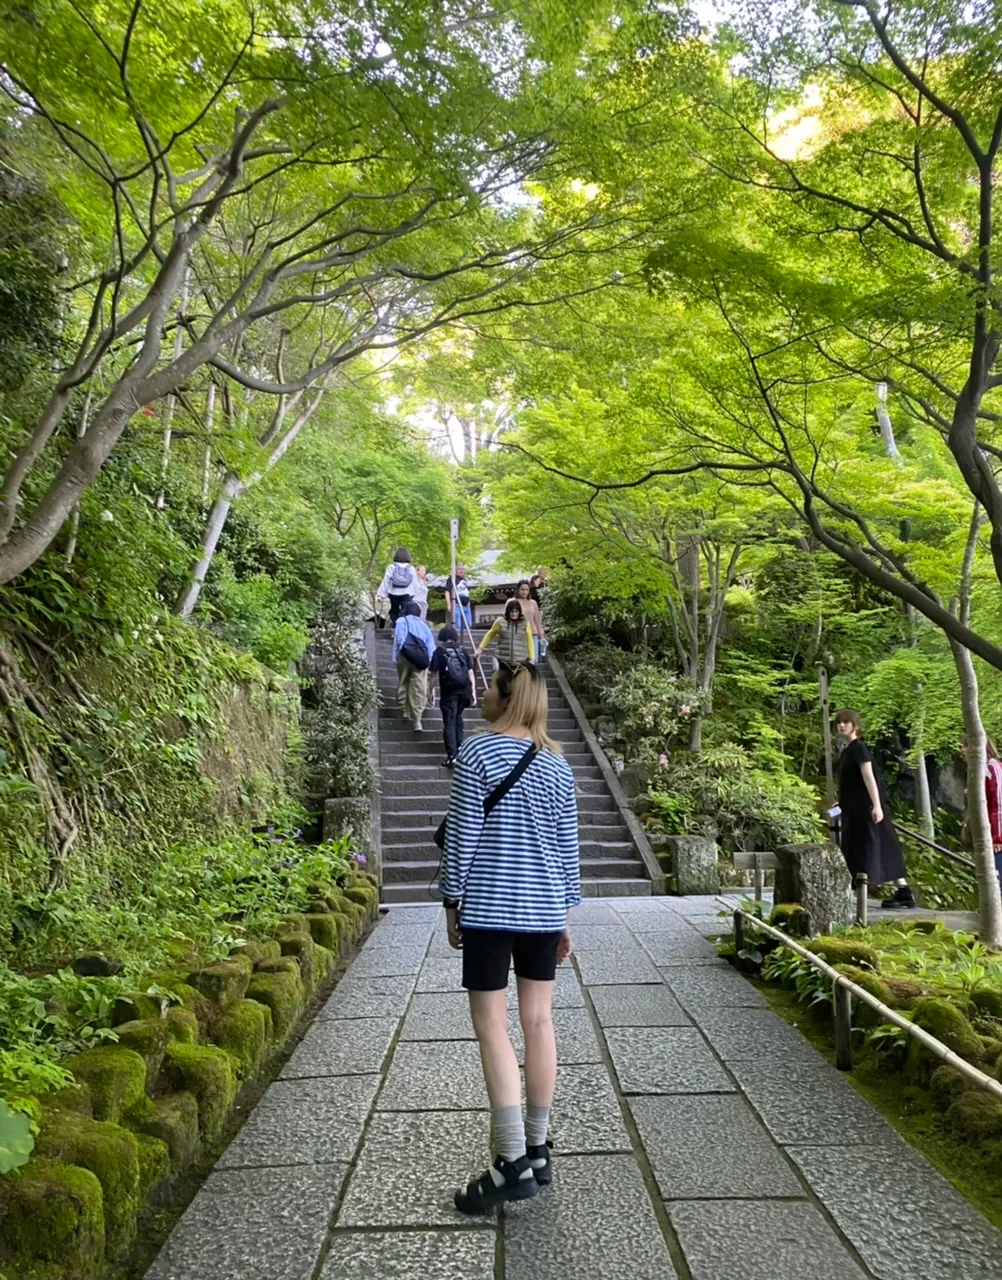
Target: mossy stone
{"points": [[154, 1162], [294, 923], [258, 951], [116, 1076], [366, 897], [53, 1212], [242, 1031], [781, 912], [923, 926], [988, 1002], [182, 1025], [300, 945], [285, 964], [903, 991], [945, 1021], [862, 1014], [324, 963], [283, 994], [976, 1115], [74, 1097], [207, 1072], [346, 929], [319, 906], [844, 951], [147, 1037], [947, 1084], [111, 1153], [323, 929], [174, 1120], [134, 1005], [223, 982]]}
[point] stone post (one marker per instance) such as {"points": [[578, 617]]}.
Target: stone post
{"points": [[353, 814], [694, 864], [815, 875]]}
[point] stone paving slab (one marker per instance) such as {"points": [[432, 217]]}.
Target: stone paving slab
{"points": [[751, 1239], [443, 1076], [441, 973], [368, 998], [586, 1115], [808, 1104], [713, 1148], [386, 962], [438, 1015], [602, 937], [261, 1224], [591, 913], [301, 1122], [404, 935], [596, 1221], [668, 948], [758, 1035], [642, 1006], [665, 1060], [606, 968], [409, 1167], [341, 1047], [411, 1255], [567, 993], [712, 926], [924, 1229], [703, 986]]}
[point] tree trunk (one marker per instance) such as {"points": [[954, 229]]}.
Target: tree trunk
{"points": [[228, 494], [172, 399], [210, 415], [696, 733], [923, 799], [989, 898], [71, 541]]}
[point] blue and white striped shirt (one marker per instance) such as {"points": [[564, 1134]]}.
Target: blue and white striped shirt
{"points": [[520, 869]]}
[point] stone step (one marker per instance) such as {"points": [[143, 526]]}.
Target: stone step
{"points": [[633, 887], [566, 735], [418, 871], [400, 782], [608, 841], [390, 719], [419, 807], [428, 748], [591, 826]]}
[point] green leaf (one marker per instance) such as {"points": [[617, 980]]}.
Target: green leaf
{"points": [[16, 1140]]}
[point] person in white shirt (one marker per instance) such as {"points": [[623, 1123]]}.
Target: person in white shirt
{"points": [[420, 592], [398, 583]]}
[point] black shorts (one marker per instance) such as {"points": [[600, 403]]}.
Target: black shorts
{"points": [[488, 953]]}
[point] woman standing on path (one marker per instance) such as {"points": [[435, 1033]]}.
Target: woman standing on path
{"points": [[508, 879], [532, 614], [398, 583], [514, 636], [420, 590], [869, 841]]}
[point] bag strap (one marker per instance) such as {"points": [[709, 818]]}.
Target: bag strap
{"points": [[509, 780]]}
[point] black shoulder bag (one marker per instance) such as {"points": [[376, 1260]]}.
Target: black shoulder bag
{"points": [[499, 792]]}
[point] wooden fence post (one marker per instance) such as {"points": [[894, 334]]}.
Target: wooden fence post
{"points": [[739, 933], [759, 882], [862, 887], [842, 1001]]}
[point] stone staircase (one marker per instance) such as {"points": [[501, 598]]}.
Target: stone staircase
{"points": [[414, 791]]}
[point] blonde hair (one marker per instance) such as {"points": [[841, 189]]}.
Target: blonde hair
{"points": [[527, 704]]}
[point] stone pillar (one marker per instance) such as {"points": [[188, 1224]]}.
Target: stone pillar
{"points": [[352, 814], [693, 863], [815, 875]]}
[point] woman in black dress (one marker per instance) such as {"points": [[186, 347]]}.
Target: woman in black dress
{"points": [[869, 841]]}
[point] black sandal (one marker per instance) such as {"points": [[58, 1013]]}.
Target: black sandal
{"points": [[484, 1195], [543, 1173]]}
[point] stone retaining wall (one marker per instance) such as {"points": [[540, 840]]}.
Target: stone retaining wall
{"points": [[142, 1108]]}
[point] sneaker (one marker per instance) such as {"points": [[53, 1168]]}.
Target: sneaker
{"points": [[418, 726], [449, 762], [484, 1194], [903, 900], [540, 1163]]}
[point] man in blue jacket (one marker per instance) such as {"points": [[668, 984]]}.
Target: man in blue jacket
{"points": [[413, 650]]}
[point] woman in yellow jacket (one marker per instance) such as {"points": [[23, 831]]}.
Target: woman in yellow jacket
{"points": [[515, 636]]}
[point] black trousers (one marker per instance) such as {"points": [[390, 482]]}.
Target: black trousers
{"points": [[397, 607], [453, 706]]}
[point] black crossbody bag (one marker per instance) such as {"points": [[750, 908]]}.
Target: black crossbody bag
{"points": [[499, 792]]}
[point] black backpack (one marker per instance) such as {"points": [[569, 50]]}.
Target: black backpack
{"points": [[415, 651], [457, 665]]}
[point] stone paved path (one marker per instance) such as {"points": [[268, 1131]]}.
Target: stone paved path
{"points": [[697, 1135]]}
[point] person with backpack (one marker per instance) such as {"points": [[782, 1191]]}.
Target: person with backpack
{"points": [[510, 873], [413, 650], [515, 636], [456, 688], [458, 609], [398, 583]]}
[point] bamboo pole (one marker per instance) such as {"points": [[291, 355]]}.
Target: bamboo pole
{"points": [[935, 1047]]}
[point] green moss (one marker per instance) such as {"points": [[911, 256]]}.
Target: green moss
{"points": [[111, 1153], [923, 926], [323, 929], [206, 1072], [300, 945], [988, 1003], [845, 951], [182, 1025], [190, 999], [75, 1097], [242, 1031], [904, 991], [154, 1162], [134, 1005], [946, 1085], [346, 930], [976, 1115], [782, 911], [283, 994], [286, 964], [147, 1037], [223, 982], [174, 1120], [862, 1014], [366, 897], [319, 906], [53, 1212], [116, 1076], [258, 951], [295, 923], [324, 963], [945, 1021]]}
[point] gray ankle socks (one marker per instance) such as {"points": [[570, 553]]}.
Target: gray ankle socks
{"points": [[537, 1122], [509, 1134]]}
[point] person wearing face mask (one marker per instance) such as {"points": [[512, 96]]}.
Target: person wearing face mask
{"points": [[514, 634], [510, 873]]}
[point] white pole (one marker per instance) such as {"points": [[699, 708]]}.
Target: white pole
{"points": [[453, 535]]}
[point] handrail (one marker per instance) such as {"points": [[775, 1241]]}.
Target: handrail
{"points": [[843, 987], [947, 853]]}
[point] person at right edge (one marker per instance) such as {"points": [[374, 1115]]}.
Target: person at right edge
{"points": [[507, 882], [869, 841]]}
